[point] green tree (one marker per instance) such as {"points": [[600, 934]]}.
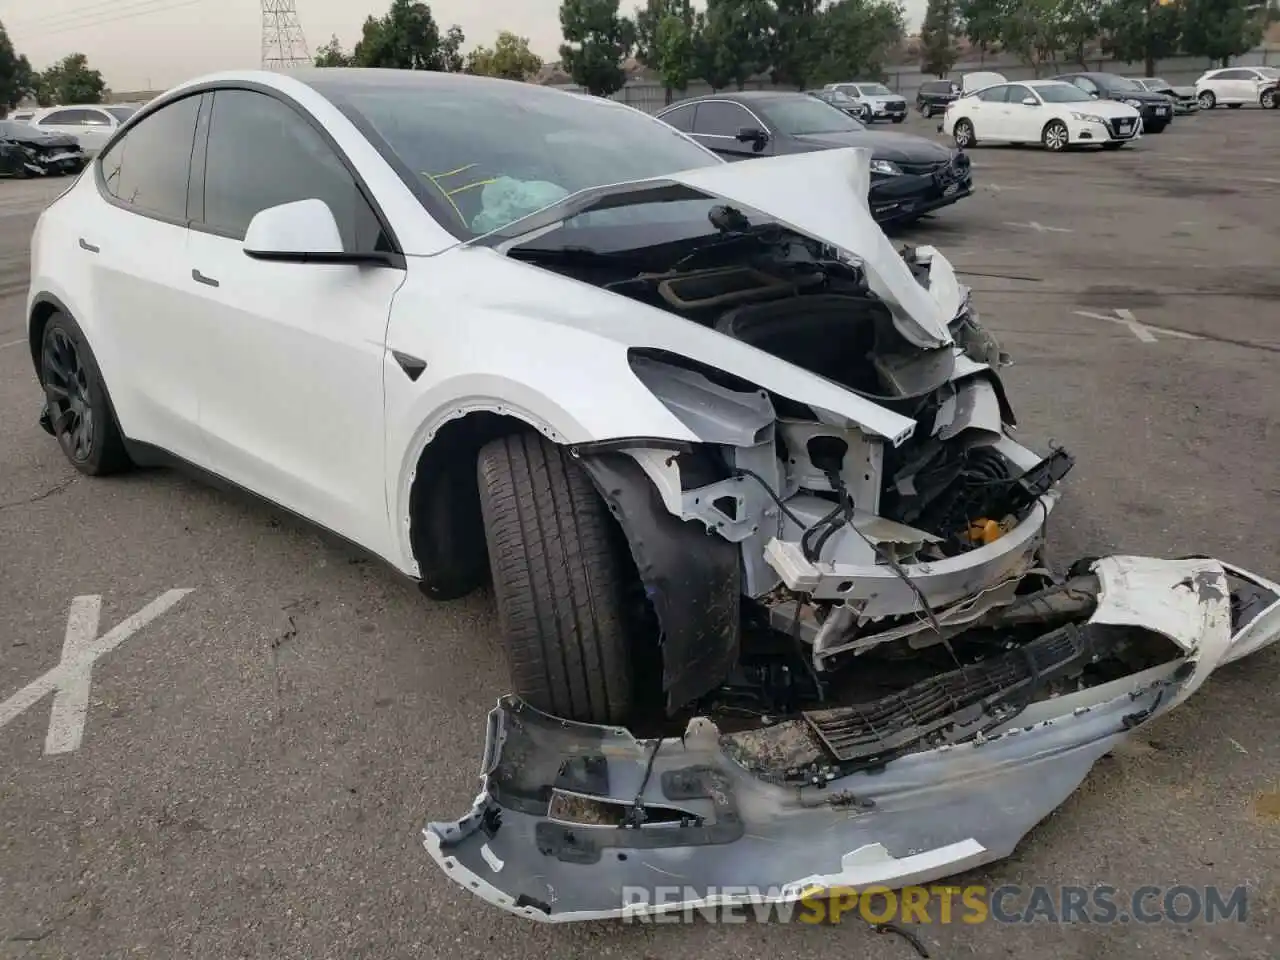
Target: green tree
{"points": [[331, 54], [1140, 30], [16, 78], [938, 53], [70, 80], [406, 37], [740, 34], [509, 58], [1221, 29], [597, 40], [709, 65], [857, 36], [981, 22], [648, 19], [795, 49], [676, 60], [1079, 27]]}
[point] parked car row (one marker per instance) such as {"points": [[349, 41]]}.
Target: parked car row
{"points": [[92, 125], [910, 175], [26, 151]]}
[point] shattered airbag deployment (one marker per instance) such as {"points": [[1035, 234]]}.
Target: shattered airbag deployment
{"points": [[962, 769], [868, 672]]}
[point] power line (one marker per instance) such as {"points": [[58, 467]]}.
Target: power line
{"points": [[126, 12]]}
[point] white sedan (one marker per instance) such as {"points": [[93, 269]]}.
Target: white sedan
{"points": [[712, 435], [1051, 112]]}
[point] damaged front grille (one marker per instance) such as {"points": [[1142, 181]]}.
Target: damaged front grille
{"points": [[966, 701]]}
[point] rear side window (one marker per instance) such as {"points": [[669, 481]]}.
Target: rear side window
{"points": [[681, 118], [149, 167], [716, 118], [261, 154], [66, 118]]}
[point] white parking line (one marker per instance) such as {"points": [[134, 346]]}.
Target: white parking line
{"points": [[1038, 227], [1143, 331], [69, 680], [12, 343]]}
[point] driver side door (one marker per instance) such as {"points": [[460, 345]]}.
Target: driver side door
{"points": [[1023, 122], [290, 356]]}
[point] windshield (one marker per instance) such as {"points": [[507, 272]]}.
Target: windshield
{"points": [[1155, 83], [838, 97], [480, 153], [875, 90], [122, 113], [1062, 93], [1119, 83], [801, 116]]}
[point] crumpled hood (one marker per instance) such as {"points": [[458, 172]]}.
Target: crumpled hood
{"points": [[822, 195], [898, 147], [40, 139]]}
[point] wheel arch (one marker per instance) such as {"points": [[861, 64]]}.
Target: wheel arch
{"points": [[43, 307]]}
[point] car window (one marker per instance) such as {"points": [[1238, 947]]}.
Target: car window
{"points": [[680, 117], [96, 118], [65, 118], [149, 167], [1061, 93], [1017, 93], [1155, 83], [1084, 83], [262, 153], [718, 118], [997, 94], [22, 117], [122, 113]]}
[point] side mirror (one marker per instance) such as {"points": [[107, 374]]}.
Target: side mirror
{"points": [[304, 231], [752, 135], [1030, 102]]}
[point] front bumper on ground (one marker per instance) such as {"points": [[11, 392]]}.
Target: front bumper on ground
{"points": [[697, 828], [908, 196]]}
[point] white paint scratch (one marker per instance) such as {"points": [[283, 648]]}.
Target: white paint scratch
{"points": [[69, 681]]}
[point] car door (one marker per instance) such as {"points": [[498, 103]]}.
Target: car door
{"points": [[290, 356], [1022, 123], [1234, 86], [716, 126], [132, 243], [991, 118], [97, 128]]}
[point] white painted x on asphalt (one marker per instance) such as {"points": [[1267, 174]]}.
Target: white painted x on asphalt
{"points": [[1143, 331], [69, 680]]}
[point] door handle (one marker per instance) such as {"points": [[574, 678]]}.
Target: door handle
{"points": [[86, 245], [199, 277]]}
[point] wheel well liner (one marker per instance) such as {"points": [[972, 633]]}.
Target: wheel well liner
{"points": [[693, 578]]}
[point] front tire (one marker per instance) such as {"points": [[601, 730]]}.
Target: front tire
{"points": [[558, 580], [1055, 137], [77, 402], [926, 111], [1269, 100], [963, 134]]}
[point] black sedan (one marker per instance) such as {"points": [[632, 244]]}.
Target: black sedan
{"points": [[1156, 108], [28, 152], [910, 175]]}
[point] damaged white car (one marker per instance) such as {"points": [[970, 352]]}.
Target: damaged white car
{"points": [[766, 554]]}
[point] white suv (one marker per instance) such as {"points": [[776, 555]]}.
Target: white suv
{"points": [[92, 124], [1234, 86]]}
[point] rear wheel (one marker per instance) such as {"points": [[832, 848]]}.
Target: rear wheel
{"points": [[558, 580], [1207, 100], [963, 134], [1055, 136], [76, 400]]}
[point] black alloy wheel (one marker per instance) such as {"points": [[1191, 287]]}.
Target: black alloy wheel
{"points": [[66, 384]]}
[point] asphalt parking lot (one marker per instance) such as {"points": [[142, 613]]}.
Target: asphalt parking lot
{"points": [[257, 760]]}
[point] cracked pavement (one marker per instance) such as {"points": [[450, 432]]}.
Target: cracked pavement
{"points": [[257, 763]]}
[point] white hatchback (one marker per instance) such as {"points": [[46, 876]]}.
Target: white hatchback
{"points": [[1051, 112]]}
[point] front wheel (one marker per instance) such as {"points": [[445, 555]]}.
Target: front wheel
{"points": [[1268, 100], [558, 580], [1055, 136], [77, 405], [1207, 100], [963, 134]]}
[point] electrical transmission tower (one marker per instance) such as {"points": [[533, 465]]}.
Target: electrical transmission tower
{"points": [[283, 45]]}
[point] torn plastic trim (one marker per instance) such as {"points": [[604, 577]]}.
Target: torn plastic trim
{"points": [[693, 580], [921, 817]]}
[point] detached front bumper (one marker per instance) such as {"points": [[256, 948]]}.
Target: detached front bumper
{"points": [[695, 825]]}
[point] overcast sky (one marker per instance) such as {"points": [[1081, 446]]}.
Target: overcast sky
{"points": [[152, 44]]}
